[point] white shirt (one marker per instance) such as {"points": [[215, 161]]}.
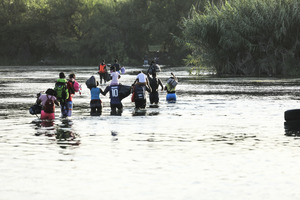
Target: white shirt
{"points": [[141, 77], [115, 78]]}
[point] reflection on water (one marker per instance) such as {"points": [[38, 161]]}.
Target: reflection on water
{"points": [[222, 139], [62, 132]]}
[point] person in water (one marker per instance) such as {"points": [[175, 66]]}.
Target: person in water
{"points": [[141, 79], [71, 89], [96, 104], [115, 76], [115, 102], [116, 65], [102, 71], [154, 84], [152, 68], [62, 93], [139, 89], [171, 88], [48, 108]]}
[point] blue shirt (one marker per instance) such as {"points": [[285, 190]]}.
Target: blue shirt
{"points": [[95, 93]]}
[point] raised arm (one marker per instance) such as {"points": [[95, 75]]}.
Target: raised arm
{"points": [[175, 78]]}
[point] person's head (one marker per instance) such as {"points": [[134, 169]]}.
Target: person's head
{"points": [[50, 92], [71, 76], [116, 60], [103, 61], [114, 68], [152, 62], [62, 75]]}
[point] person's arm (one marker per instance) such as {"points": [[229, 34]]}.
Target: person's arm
{"points": [[101, 91], [166, 88], [56, 102], [160, 83], [105, 91], [134, 82], [148, 83], [175, 78], [149, 89]]}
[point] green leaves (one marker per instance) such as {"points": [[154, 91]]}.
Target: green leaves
{"points": [[249, 37]]}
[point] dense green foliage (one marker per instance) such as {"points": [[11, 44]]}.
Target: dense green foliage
{"points": [[87, 31], [246, 37]]}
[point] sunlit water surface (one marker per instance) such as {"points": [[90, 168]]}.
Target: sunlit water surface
{"points": [[223, 139]]}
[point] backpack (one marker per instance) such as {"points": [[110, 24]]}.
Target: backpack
{"points": [[154, 84], [49, 105], [172, 82], [76, 86], [139, 92], [91, 82], [35, 109], [61, 91]]}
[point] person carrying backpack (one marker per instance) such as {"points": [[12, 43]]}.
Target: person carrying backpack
{"points": [[62, 93], [171, 88], [154, 84], [48, 102], [139, 90]]}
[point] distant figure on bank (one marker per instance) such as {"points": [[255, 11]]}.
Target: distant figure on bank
{"points": [[48, 102], [102, 71], [96, 104], [171, 88], [154, 84], [62, 93]]}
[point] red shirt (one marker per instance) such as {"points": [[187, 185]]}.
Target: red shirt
{"points": [[71, 90]]}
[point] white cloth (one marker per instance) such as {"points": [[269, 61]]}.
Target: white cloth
{"points": [[115, 78], [141, 77]]}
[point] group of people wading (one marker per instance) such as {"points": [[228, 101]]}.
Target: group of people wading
{"points": [[65, 89]]}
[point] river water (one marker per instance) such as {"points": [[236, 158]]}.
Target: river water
{"points": [[222, 139]]}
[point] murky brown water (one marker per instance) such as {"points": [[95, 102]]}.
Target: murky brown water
{"points": [[223, 139]]}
